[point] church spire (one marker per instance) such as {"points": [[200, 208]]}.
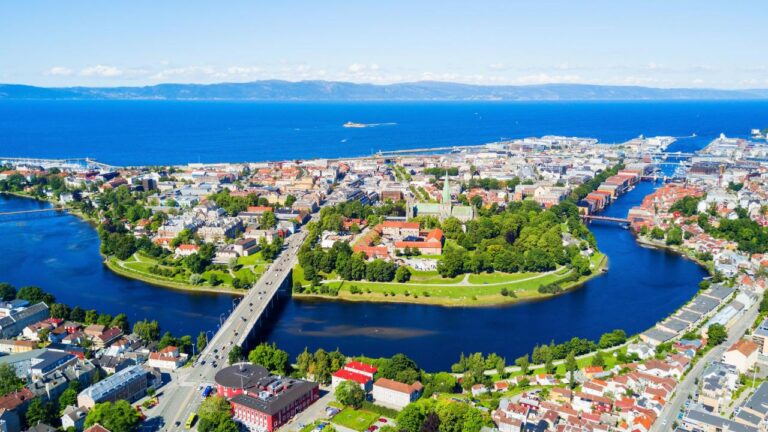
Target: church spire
{"points": [[446, 189]]}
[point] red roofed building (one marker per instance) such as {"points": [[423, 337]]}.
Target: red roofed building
{"points": [[400, 229], [358, 372], [431, 244], [186, 249], [168, 358]]}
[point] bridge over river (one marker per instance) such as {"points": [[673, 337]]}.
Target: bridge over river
{"points": [[242, 328]]}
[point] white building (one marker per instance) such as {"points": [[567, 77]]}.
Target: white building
{"points": [[395, 394]]}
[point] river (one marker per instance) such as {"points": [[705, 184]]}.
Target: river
{"points": [[642, 286]]}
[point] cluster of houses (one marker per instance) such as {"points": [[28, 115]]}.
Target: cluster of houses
{"points": [[49, 354], [383, 391], [630, 397]]}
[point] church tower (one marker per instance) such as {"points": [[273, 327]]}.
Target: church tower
{"points": [[446, 205]]}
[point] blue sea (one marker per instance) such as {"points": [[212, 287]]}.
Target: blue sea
{"points": [[177, 132]]}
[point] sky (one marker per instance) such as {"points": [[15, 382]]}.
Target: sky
{"points": [[656, 43]]}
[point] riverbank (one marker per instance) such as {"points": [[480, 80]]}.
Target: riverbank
{"points": [[460, 293], [685, 253], [115, 266]]}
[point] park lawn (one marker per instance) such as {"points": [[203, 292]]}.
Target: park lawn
{"points": [[247, 275], [141, 264], [358, 420], [255, 259], [223, 276], [498, 277], [419, 277]]}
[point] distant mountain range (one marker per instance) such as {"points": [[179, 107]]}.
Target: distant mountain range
{"points": [[275, 90]]}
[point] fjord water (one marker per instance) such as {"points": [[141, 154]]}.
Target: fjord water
{"points": [[60, 253], [163, 132]]}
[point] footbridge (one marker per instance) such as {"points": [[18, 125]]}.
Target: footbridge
{"points": [[622, 221]]}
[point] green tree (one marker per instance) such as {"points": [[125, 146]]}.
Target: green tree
{"points": [[9, 382], [411, 418], [148, 331], [350, 394], [716, 334], [657, 233], [452, 263], [214, 414], [523, 363], [69, 396], [235, 355], [7, 292], [117, 417], [271, 357], [59, 310], [202, 341], [304, 363], [40, 412], [501, 366], [268, 220], [121, 321], [398, 364], [674, 236], [77, 314], [34, 295], [403, 274], [598, 359], [571, 367], [91, 316]]}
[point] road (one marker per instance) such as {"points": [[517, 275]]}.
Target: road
{"points": [[688, 385], [181, 397]]}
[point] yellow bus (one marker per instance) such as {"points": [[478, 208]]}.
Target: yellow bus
{"points": [[191, 420]]}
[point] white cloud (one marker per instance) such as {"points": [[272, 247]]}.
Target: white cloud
{"points": [[543, 78], [59, 71], [101, 71]]}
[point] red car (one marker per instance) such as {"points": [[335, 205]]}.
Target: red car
{"points": [[383, 420], [373, 428]]}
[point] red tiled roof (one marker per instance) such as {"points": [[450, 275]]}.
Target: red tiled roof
{"points": [[401, 225], [398, 386], [744, 346], [362, 367], [351, 376]]}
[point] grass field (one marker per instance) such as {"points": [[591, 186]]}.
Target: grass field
{"points": [[138, 266], [428, 287], [358, 420]]}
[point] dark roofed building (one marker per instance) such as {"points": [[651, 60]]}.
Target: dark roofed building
{"points": [[263, 401]]}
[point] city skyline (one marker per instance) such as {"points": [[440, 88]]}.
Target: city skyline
{"points": [[652, 44]]}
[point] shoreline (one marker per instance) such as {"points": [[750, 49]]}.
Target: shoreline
{"points": [[122, 272], [497, 300]]}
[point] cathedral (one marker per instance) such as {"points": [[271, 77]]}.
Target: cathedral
{"points": [[444, 209]]}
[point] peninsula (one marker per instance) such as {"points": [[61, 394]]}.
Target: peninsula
{"points": [[491, 224]]}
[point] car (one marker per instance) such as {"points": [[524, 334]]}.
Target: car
{"points": [[177, 424], [216, 350], [383, 420], [373, 428]]}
